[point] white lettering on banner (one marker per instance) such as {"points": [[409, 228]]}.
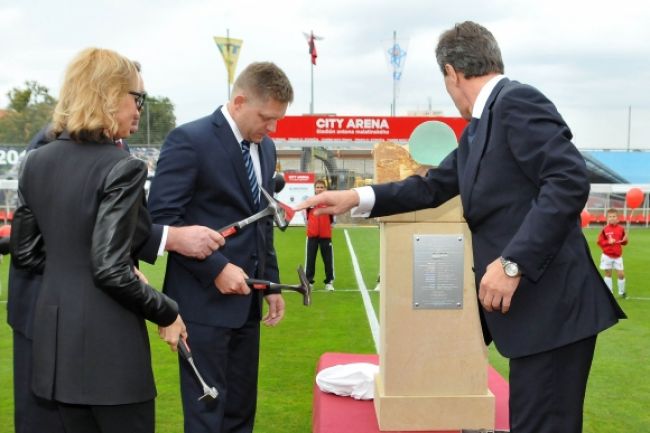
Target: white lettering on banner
{"points": [[367, 124], [299, 178], [10, 157], [328, 122]]}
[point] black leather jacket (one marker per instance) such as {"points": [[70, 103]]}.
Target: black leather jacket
{"points": [[121, 224]]}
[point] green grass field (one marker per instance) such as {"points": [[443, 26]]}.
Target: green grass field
{"points": [[618, 388]]}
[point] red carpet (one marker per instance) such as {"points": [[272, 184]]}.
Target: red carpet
{"points": [[335, 414]]}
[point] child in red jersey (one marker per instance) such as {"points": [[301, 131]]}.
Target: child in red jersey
{"points": [[611, 240], [319, 235]]}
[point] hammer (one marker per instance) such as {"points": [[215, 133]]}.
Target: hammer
{"points": [[282, 215], [209, 392], [304, 288]]}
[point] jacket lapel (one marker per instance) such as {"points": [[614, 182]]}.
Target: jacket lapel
{"points": [[477, 147], [233, 152]]}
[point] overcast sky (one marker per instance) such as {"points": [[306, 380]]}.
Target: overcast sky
{"points": [[592, 58]]}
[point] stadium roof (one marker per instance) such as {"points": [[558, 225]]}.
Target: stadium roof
{"points": [[601, 173], [632, 167]]}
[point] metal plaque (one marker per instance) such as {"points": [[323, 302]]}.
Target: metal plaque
{"points": [[438, 269]]}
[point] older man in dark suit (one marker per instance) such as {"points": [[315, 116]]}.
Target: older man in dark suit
{"points": [[523, 185], [210, 172]]}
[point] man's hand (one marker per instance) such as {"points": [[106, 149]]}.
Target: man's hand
{"points": [[496, 288], [276, 309], [336, 202], [193, 241], [232, 281], [174, 332]]}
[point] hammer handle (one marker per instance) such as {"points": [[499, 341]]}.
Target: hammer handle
{"points": [[258, 284], [184, 349], [234, 228], [230, 230]]}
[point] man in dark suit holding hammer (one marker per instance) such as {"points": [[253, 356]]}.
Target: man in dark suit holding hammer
{"points": [[210, 172]]}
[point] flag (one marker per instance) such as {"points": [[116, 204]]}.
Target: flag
{"points": [[396, 57], [312, 49], [395, 51], [312, 45], [229, 48]]}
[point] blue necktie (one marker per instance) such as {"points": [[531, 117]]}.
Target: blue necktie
{"points": [[471, 129], [250, 171]]}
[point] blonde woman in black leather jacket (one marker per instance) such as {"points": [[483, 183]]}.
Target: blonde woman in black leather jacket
{"points": [[80, 221]]}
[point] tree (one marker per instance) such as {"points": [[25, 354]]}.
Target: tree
{"points": [[29, 109], [156, 120], [32, 94]]}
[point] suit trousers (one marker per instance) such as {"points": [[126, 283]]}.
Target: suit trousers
{"points": [[32, 414], [325, 245], [547, 390], [228, 359], [132, 418]]}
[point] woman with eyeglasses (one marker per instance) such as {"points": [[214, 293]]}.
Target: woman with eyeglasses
{"points": [[79, 222]]}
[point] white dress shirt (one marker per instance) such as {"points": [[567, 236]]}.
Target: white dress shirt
{"points": [[254, 147]]}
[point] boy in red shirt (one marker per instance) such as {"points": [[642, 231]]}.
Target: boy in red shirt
{"points": [[319, 234], [611, 239]]}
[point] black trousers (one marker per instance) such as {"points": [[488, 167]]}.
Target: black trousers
{"points": [[228, 359], [547, 390], [31, 413], [132, 418], [325, 245]]}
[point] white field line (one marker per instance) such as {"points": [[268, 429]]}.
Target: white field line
{"points": [[370, 311]]}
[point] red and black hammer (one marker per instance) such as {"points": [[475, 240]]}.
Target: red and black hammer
{"points": [[304, 288], [282, 215]]}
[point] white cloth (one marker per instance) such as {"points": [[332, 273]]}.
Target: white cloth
{"points": [[356, 380]]}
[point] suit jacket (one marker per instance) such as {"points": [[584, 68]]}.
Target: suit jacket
{"points": [[201, 179], [24, 285], [79, 224], [523, 185]]}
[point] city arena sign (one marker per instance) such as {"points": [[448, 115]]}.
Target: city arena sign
{"points": [[373, 128]]}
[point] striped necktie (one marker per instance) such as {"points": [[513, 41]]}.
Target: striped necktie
{"points": [[250, 171]]}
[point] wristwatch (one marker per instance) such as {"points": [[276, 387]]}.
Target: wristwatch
{"points": [[510, 268]]}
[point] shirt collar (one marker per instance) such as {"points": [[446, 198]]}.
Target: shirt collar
{"points": [[231, 122], [484, 94]]}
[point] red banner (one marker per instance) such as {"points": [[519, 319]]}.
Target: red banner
{"points": [[373, 128]]}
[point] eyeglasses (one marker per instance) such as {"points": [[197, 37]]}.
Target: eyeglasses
{"points": [[140, 97]]}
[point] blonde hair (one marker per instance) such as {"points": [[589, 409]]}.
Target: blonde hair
{"points": [[94, 84]]}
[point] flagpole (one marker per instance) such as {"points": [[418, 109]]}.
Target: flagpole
{"points": [[311, 61], [393, 107]]}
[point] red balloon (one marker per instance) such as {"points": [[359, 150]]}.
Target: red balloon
{"points": [[634, 198], [584, 218]]}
